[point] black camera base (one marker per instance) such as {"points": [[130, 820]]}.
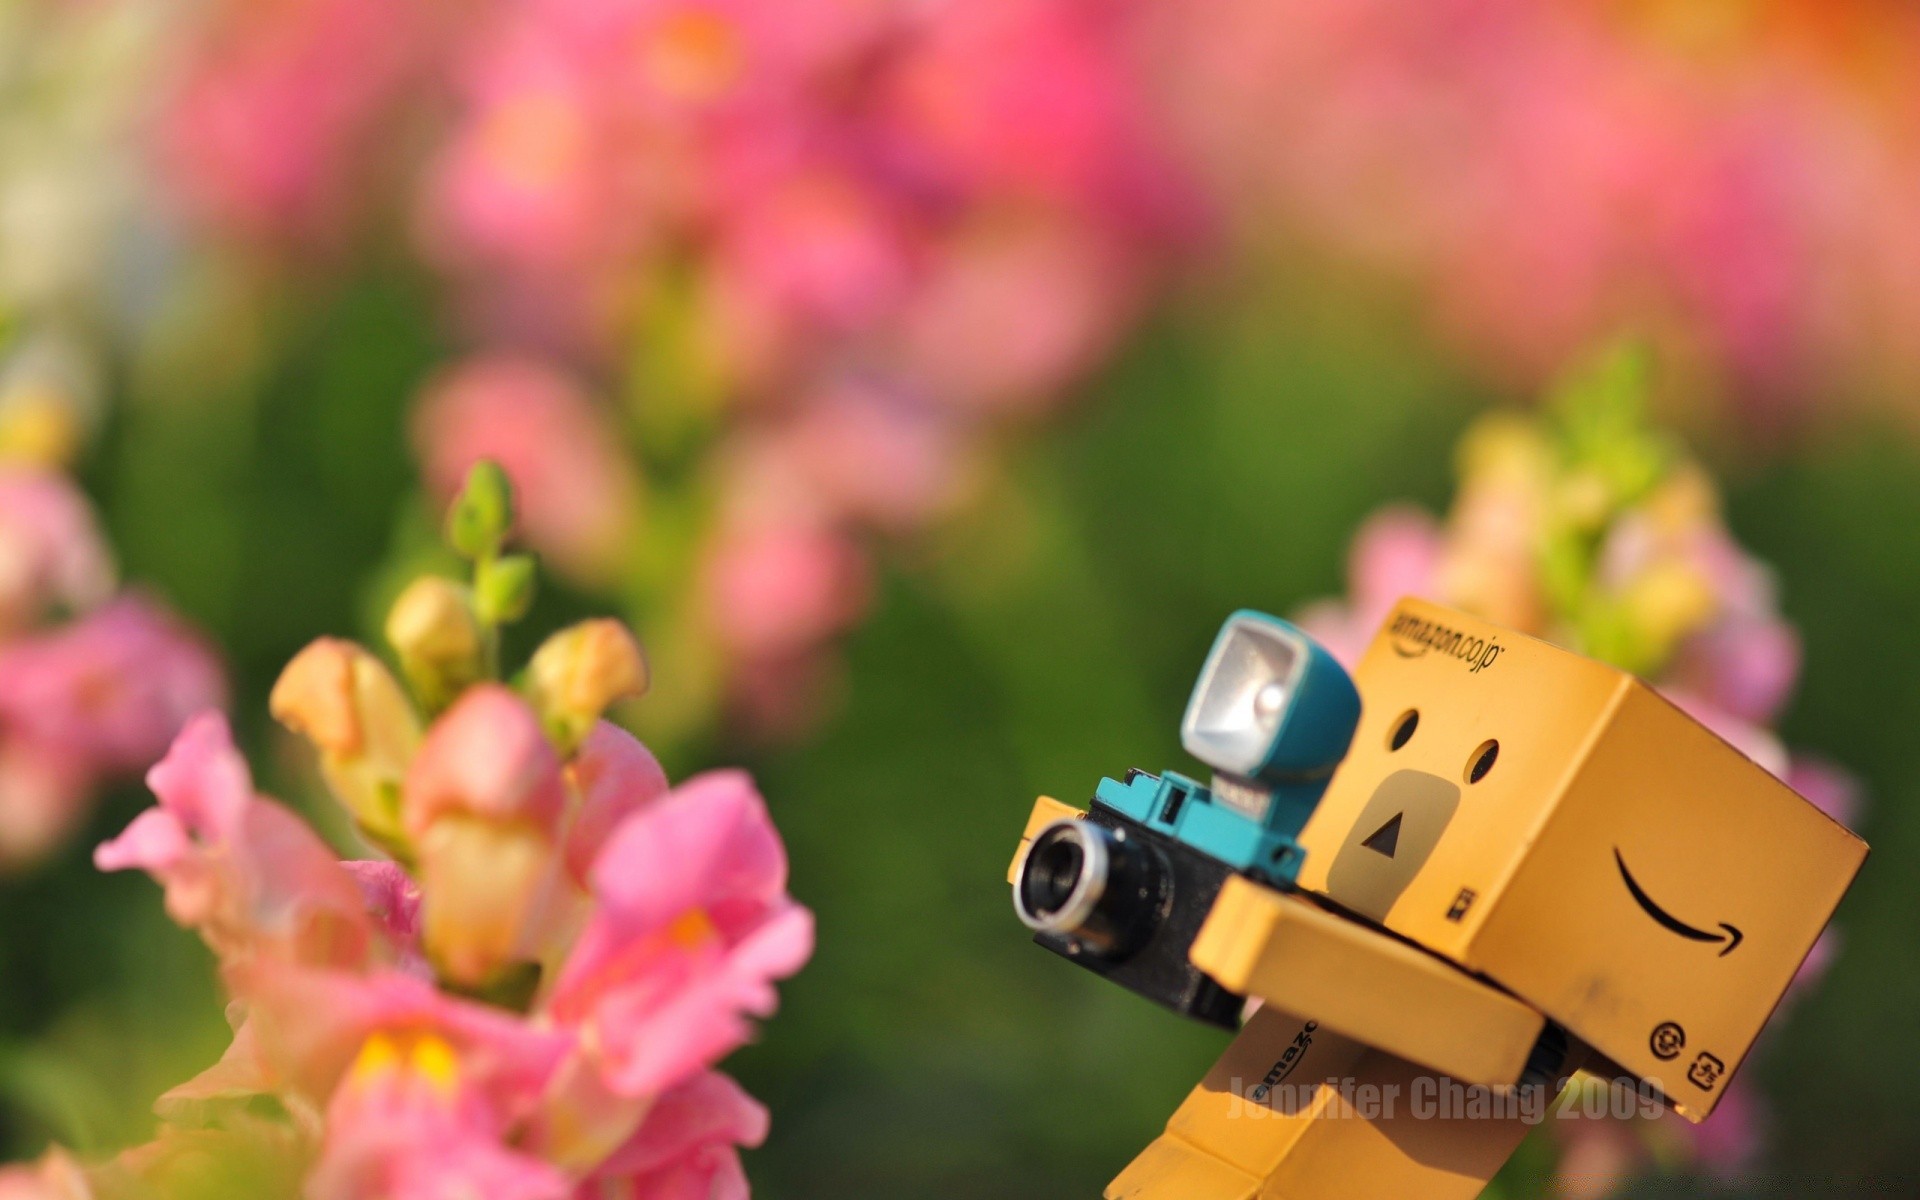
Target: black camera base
{"points": [[1170, 910]]}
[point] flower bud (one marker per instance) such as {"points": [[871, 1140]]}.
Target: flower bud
{"points": [[39, 428], [432, 627], [483, 511], [485, 757], [49, 397], [52, 552], [503, 589], [483, 804], [344, 701], [578, 672], [481, 881]]}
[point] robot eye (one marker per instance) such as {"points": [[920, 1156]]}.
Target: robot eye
{"points": [[1482, 760], [1403, 729]]}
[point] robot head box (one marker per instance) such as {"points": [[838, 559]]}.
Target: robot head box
{"points": [[1537, 818]]}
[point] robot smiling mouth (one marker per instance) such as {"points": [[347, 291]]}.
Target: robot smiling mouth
{"points": [[1732, 937]]}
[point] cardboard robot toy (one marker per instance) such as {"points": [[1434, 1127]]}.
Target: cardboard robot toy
{"points": [[1476, 865]]}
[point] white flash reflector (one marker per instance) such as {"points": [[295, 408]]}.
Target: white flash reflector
{"points": [[1242, 694]]}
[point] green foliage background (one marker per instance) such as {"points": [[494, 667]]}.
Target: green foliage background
{"points": [[1047, 638]]}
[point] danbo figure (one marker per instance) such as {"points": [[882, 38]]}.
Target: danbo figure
{"points": [[1482, 861]]}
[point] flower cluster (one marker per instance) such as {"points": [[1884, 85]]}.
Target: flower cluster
{"points": [[1736, 181], [527, 997], [771, 273], [774, 280], [778, 277], [1583, 526], [94, 681]]}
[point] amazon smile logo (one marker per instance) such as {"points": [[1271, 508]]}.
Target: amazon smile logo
{"points": [[1672, 924], [1415, 637]]}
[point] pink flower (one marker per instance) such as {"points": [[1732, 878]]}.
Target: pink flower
{"points": [[780, 587], [577, 490], [1731, 1140], [853, 452], [615, 777], [1547, 175], [110, 689], [784, 205], [813, 252], [393, 904], [691, 927], [826, 174], [596, 134], [686, 1148], [43, 796], [483, 803], [283, 105], [687, 62], [1746, 665], [408, 1123], [94, 698], [1832, 789], [239, 868], [241, 1075], [1051, 297], [527, 183], [51, 551], [313, 1021], [1028, 98], [1397, 553]]}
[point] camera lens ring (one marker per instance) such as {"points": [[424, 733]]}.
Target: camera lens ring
{"points": [[1092, 886], [1091, 865]]}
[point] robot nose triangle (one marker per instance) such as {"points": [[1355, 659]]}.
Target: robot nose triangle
{"points": [[1386, 839], [1391, 840]]}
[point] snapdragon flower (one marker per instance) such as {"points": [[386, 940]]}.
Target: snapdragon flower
{"points": [[93, 681], [528, 997]]}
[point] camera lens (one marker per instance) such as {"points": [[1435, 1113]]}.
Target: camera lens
{"points": [[1053, 874], [1089, 883]]}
